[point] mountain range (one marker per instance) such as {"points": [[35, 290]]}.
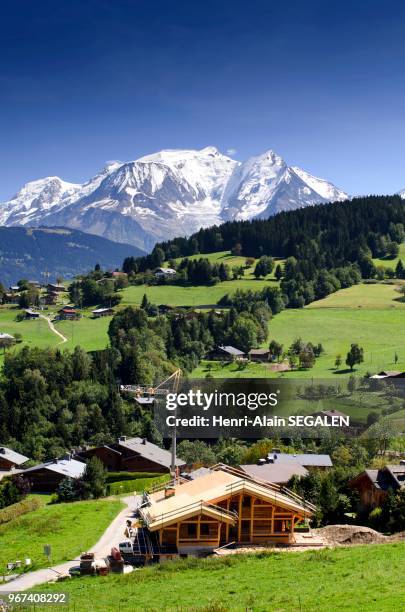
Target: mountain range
{"points": [[167, 194], [31, 252]]}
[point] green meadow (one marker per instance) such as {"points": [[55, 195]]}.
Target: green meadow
{"points": [[369, 314], [365, 578], [69, 528], [175, 295]]}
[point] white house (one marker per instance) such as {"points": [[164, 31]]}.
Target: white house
{"points": [[165, 272]]}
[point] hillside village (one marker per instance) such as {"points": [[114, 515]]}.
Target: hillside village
{"points": [[86, 361]]}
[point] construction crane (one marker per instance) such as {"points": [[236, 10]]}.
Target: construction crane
{"points": [[147, 395]]}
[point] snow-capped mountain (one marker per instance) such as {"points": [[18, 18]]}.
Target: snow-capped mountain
{"points": [[35, 200], [166, 194]]}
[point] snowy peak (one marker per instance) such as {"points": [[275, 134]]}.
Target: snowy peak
{"points": [[326, 190], [36, 197], [170, 193]]}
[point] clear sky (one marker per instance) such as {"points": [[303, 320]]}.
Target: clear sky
{"points": [[322, 82]]}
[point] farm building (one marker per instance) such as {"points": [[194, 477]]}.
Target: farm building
{"points": [[31, 314], [373, 485], [132, 455], [228, 353], [46, 477], [259, 354], [224, 506], [165, 272], [389, 374], [10, 459], [278, 473], [55, 287], [118, 274], [68, 314], [6, 338], [51, 298], [11, 298], [102, 312]]}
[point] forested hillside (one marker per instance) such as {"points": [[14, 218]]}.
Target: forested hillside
{"points": [[325, 248]]}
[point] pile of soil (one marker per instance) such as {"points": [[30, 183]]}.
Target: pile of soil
{"points": [[345, 535]]}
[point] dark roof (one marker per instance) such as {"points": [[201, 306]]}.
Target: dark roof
{"points": [[278, 473], [150, 451], [231, 350], [398, 474], [12, 456], [305, 459], [388, 477]]}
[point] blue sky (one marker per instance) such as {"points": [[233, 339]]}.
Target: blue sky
{"points": [[321, 82]]}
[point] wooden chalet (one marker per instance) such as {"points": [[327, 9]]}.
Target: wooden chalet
{"points": [[46, 477], [10, 459], [51, 298], [222, 507], [68, 314], [102, 312], [226, 353], [11, 298], [259, 354], [57, 288], [373, 485], [132, 455], [31, 314]]}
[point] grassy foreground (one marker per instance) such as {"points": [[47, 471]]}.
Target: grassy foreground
{"points": [[358, 578], [68, 528]]}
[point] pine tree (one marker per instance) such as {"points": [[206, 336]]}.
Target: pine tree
{"points": [[145, 302], [94, 479], [399, 269]]}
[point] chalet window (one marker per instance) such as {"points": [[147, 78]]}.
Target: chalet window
{"points": [[204, 529], [192, 530]]}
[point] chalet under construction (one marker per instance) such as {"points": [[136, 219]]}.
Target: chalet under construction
{"points": [[222, 507]]}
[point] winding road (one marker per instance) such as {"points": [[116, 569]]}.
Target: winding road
{"points": [[53, 329], [112, 536]]}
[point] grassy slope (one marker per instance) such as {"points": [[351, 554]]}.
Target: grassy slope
{"points": [[370, 315], [68, 528], [391, 263], [359, 578], [34, 333], [191, 296]]}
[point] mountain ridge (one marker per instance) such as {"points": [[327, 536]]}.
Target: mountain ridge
{"points": [[30, 252], [169, 193]]}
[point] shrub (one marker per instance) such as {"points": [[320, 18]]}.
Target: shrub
{"points": [[135, 486], [120, 476], [18, 509]]}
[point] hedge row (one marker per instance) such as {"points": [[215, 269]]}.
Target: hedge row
{"points": [[120, 476], [138, 485], [22, 507]]}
